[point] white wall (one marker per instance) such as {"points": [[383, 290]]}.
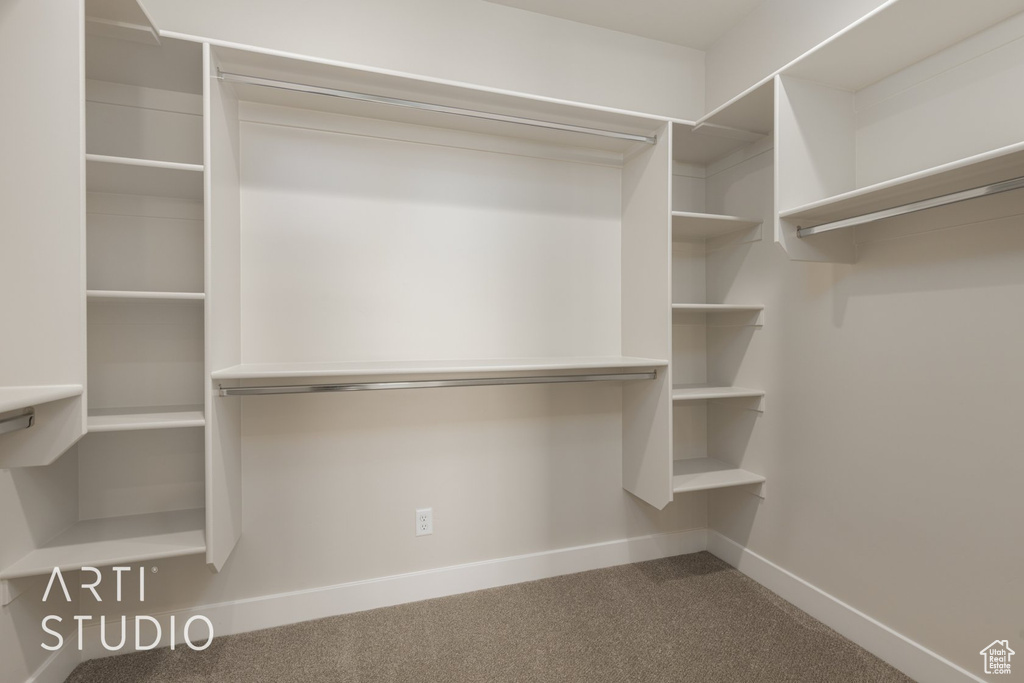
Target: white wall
{"points": [[892, 438], [464, 40], [772, 35]]}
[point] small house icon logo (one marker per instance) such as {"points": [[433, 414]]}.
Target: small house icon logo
{"points": [[997, 657]]}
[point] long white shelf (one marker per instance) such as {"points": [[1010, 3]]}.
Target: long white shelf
{"points": [[701, 392], [718, 308], [964, 174], [138, 419], [17, 398], [118, 540], [125, 175], [122, 295], [703, 474], [688, 225], [435, 367]]}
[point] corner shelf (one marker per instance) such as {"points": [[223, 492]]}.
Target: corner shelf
{"points": [[981, 169], [703, 474], [18, 398], [688, 225], [702, 392], [125, 175], [436, 367], [138, 419], [117, 540], [119, 295]]}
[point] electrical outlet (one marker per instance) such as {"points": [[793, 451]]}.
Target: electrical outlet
{"points": [[424, 521]]}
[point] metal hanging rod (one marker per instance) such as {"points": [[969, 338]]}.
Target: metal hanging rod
{"points": [[431, 384], [426, 106], [942, 200], [17, 422]]}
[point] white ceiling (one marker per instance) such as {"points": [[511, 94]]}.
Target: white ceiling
{"points": [[693, 23]]}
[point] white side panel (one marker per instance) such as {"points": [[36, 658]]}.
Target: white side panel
{"points": [[647, 319], [814, 159], [223, 315], [41, 250]]}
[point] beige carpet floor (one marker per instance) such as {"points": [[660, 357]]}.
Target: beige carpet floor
{"points": [[688, 618]]}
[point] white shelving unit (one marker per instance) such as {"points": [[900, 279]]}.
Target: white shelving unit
{"points": [[138, 419], [704, 474], [120, 540], [143, 319], [708, 216]]}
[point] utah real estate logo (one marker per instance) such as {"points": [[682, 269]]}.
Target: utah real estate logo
{"points": [[997, 657]]}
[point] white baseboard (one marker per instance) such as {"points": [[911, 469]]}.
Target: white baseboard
{"points": [[289, 608], [58, 666], [911, 658]]}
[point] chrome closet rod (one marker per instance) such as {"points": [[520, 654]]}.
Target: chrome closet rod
{"points": [[18, 422], [426, 106], [941, 200], [431, 384]]}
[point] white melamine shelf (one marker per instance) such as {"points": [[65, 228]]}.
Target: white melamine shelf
{"points": [[702, 392], [436, 367], [153, 417], [117, 540], [964, 174], [687, 225], [353, 78], [752, 110], [119, 295], [702, 474], [707, 144], [125, 175], [717, 308], [17, 398]]}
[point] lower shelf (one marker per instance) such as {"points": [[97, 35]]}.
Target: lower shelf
{"points": [[703, 474], [118, 540], [703, 392], [136, 419]]}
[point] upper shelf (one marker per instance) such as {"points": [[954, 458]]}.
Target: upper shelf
{"points": [[124, 175], [564, 365], [982, 169], [895, 36], [687, 225], [17, 398], [313, 73], [883, 42]]}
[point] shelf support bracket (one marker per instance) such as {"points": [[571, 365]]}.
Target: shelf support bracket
{"points": [[8, 592]]}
